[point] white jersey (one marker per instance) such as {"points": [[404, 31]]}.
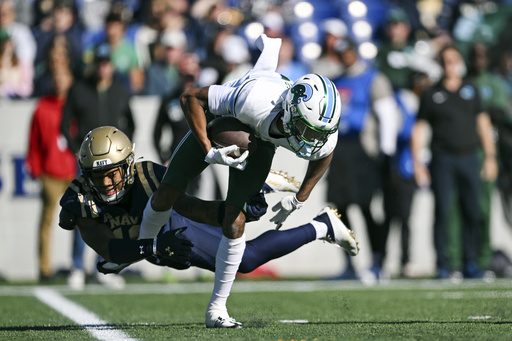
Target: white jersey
{"points": [[256, 98]]}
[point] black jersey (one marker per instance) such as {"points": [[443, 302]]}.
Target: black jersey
{"points": [[452, 116]]}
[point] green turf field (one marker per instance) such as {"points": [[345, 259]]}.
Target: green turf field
{"points": [[276, 310]]}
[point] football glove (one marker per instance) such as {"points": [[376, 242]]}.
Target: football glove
{"points": [[284, 208], [110, 267], [169, 245], [220, 156], [256, 208]]}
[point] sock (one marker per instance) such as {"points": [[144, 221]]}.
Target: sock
{"points": [[229, 256], [269, 48], [274, 244], [320, 228], [152, 221]]}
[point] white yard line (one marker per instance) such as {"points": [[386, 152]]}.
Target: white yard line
{"points": [[78, 314]]}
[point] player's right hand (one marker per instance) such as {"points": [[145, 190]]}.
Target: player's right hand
{"points": [[221, 156], [169, 245]]}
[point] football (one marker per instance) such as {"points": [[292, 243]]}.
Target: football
{"points": [[225, 131]]}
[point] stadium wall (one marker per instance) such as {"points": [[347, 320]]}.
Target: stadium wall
{"points": [[20, 209]]}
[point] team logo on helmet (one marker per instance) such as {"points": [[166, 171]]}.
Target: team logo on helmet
{"points": [[301, 92]]}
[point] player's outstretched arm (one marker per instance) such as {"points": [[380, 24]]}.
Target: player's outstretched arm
{"points": [[101, 239], [316, 169]]}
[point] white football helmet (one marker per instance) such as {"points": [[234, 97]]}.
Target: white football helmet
{"points": [[312, 109], [105, 148]]}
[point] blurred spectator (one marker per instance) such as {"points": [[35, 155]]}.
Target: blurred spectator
{"points": [[495, 103], [397, 57], [123, 53], [288, 65], [367, 139], [15, 75], [453, 110], [503, 70], [399, 187], [24, 42], [148, 32], [177, 17], [57, 57], [24, 13], [214, 66], [92, 15], [171, 125], [235, 53], [50, 160], [393, 54], [98, 100], [273, 24], [63, 22], [166, 16], [329, 63], [162, 74]]}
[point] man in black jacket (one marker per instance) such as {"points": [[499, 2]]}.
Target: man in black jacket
{"points": [[97, 100]]}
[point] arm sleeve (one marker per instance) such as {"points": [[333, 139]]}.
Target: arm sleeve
{"points": [[386, 109], [128, 125], [67, 118], [129, 251], [161, 121], [34, 160], [423, 110], [387, 113]]}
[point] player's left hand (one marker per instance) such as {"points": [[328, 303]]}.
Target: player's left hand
{"points": [[285, 207], [256, 208], [169, 245]]}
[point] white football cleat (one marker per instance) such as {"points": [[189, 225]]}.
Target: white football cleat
{"points": [[221, 319], [337, 232], [279, 181]]}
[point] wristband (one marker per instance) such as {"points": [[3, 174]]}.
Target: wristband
{"points": [[129, 251], [296, 203], [154, 246]]}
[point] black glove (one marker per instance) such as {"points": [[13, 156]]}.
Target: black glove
{"points": [[169, 245], [256, 208]]}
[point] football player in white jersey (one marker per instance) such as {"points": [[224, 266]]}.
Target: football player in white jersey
{"points": [[107, 201], [302, 117]]}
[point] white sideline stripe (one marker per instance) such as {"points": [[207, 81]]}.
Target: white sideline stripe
{"points": [[276, 286], [92, 323]]}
